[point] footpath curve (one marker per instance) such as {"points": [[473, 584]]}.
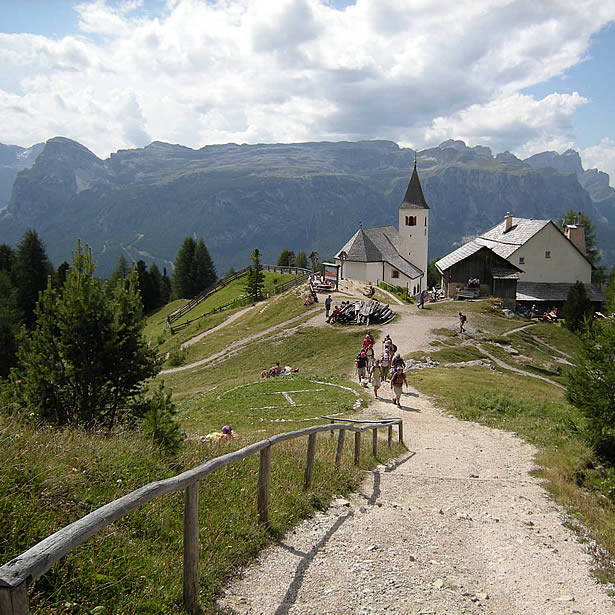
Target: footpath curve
{"points": [[457, 526]]}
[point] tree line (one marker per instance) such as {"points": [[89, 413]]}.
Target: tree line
{"points": [[71, 345]]}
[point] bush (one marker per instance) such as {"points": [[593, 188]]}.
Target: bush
{"points": [[159, 421], [176, 357]]}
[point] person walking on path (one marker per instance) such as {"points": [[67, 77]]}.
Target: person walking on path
{"points": [[398, 379], [327, 306], [361, 362], [376, 377], [385, 364], [462, 322], [398, 362], [421, 302]]}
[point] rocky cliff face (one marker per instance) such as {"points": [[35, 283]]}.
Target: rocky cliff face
{"points": [[12, 160], [309, 196]]}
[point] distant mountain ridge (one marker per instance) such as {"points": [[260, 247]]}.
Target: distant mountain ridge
{"points": [[305, 196]]}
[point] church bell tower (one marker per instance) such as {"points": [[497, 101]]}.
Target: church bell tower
{"points": [[414, 226]]}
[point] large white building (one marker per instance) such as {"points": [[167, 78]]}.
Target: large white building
{"points": [[385, 254], [547, 261]]}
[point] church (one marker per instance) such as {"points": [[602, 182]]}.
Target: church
{"points": [[384, 254]]}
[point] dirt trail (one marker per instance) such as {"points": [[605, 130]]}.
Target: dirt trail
{"points": [[459, 526]]}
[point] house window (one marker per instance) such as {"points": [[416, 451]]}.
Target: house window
{"points": [[410, 220], [425, 220], [522, 260], [394, 273], [547, 253]]}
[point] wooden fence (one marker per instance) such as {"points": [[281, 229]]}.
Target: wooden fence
{"points": [[16, 575], [302, 275]]}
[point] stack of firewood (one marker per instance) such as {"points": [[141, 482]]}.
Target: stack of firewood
{"points": [[365, 313]]}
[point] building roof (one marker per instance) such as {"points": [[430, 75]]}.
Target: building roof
{"points": [[504, 243], [466, 250], [378, 244], [556, 292], [414, 197], [501, 273]]}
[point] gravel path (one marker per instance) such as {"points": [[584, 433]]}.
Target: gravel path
{"points": [[457, 526]]}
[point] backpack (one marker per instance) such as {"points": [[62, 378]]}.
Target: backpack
{"points": [[463, 318]]}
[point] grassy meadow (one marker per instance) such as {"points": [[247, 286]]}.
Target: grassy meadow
{"points": [[51, 477]]}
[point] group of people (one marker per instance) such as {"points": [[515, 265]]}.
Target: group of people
{"points": [[332, 316], [390, 366]]}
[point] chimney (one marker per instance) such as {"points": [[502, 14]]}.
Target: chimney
{"points": [[576, 234], [508, 222]]}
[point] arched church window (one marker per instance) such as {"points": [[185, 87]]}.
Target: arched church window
{"points": [[410, 220]]}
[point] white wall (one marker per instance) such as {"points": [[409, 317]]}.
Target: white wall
{"points": [[414, 240], [565, 264], [373, 272]]}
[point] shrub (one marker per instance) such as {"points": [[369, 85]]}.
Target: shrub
{"points": [[159, 420]]}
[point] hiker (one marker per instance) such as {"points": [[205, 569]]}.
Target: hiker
{"points": [[327, 306], [368, 341], [335, 314], [392, 350], [421, 302], [462, 322], [398, 362], [361, 363], [385, 364], [376, 377], [398, 379], [369, 353]]}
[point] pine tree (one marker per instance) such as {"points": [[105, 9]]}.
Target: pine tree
{"points": [[120, 272], [203, 270], [10, 320], [85, 359], [301, 260], [7, 257], [314, 257], [165, 288], [182, 276], [578, 307], [156, 282], [255, 278], [30, 271], [146, 288], [61, 272]]}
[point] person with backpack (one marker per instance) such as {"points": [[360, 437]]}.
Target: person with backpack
{"points": [[376, 376], [462, 322], [385, 364], [398, 362], [398, 379]]}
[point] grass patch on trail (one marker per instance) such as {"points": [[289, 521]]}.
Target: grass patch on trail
{"points": [[50, 478], [538, 413]]}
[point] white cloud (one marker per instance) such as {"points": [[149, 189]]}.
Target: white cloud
{"points": [[217, 71], [601, 156]]}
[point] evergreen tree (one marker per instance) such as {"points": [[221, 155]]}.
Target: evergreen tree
{"points": [[182, 276], [578, 307], [284, 258], [434, 277], [120, 272], [591, 386], [146, 288], [30, 271], [609, 293], [61, 272], [165, 288], [301, 260], [10, 321], [156, 283], [85, 359], [204, 272], [7, 257], [255, 278]]}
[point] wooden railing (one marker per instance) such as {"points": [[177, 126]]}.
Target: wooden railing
{"points": [[173, 317], [16, 575]]}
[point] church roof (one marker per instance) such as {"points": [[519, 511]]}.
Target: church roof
{"points": [[414, 197], [378, 244]]}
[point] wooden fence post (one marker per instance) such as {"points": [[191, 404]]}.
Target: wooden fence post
{"points": [[14, 600], [400, 428], [340, 448], [375, 442], [311, 450], [390, 436], [357, 448], [191, 549], [264, 478]]}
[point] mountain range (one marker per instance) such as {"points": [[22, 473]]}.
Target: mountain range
{"points": [[305, 196]]}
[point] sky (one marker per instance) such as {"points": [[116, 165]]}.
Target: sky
{"points": [[519, 75]]}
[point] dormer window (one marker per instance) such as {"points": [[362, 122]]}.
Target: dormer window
{"points": [[547, 253], [522, 260], [411, 220]]}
